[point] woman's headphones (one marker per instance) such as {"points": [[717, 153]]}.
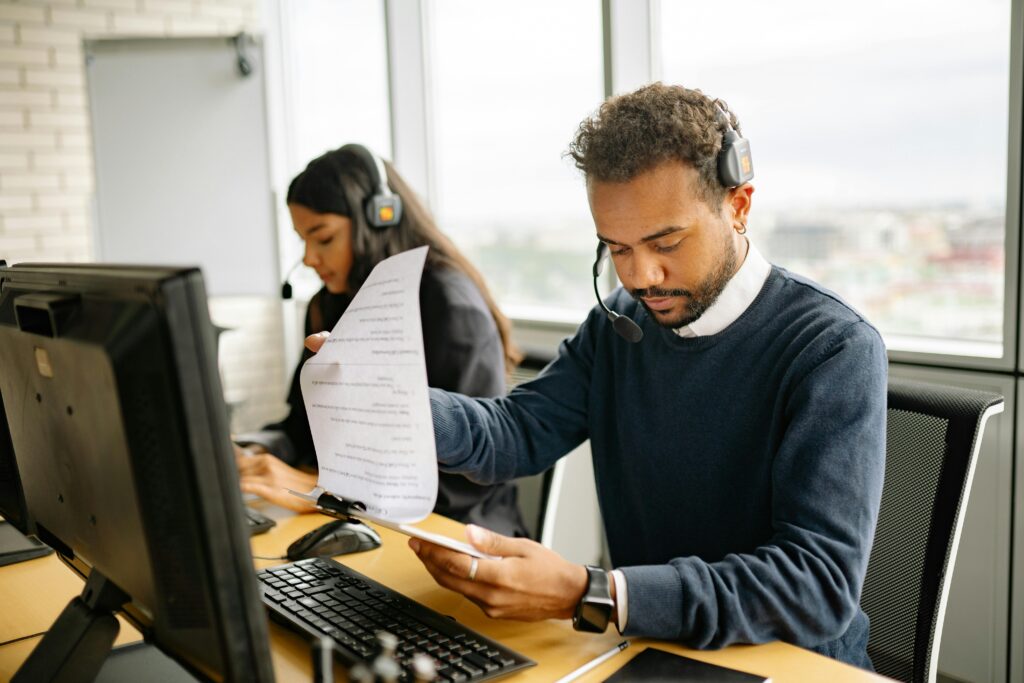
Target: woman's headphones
{"points": [[734, 164], [383, 208]]}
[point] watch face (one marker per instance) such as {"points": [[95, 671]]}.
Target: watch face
{"points": [[596, 613]]}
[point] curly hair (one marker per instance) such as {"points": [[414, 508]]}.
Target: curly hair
{"points": [[632, 133]]}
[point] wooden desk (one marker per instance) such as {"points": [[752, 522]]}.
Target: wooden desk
{"points": [[33, 593]]}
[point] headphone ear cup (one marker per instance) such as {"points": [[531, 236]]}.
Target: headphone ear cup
{"points": [[735, 166], [383, 211]]}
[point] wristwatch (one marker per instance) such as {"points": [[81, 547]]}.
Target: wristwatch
{"points": [[594, 610]]}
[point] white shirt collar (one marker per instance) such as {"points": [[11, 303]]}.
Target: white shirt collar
{"points": [[736, 298]]}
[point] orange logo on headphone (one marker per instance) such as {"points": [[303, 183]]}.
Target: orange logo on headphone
{"points": [[387, 213], [745, 162]]}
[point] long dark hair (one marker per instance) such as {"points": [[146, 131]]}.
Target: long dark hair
{"points": [[338, 182]]}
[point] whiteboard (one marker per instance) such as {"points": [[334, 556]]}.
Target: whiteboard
{"points": [[182, 170]]}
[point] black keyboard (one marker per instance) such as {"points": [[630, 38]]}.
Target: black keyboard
{"points": [[257, 522], [320, 596]]}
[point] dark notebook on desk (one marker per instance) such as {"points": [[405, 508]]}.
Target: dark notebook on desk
{"points": [[658, 665]]}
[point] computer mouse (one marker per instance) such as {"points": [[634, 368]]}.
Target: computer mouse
{"points": [[334, 538]]}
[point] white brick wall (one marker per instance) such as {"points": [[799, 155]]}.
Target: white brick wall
{"points": [[46, 163]]}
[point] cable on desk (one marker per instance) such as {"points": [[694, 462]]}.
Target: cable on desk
{"points": [[15, 640], [261, 557]]}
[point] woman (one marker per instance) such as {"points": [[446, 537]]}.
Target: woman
{"points": [[466, 339]]}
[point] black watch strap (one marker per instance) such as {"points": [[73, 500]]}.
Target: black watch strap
{"points": [[594, 610]]}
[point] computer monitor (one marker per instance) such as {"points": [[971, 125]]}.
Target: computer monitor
{"points": [[110, 385]]}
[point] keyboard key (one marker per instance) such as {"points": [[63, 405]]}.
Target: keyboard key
{"points": [[480, 662], [355, 593], [469, 669]]}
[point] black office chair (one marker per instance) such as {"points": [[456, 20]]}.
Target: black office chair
{"points": [[932, 442]]}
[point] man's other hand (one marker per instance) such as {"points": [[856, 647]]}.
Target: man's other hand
{"points": [[529, 583], [266, 476]]}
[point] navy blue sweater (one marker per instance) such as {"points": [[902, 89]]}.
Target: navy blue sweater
{"points": [[739, 474]]}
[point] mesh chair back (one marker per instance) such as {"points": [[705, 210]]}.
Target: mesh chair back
{"points": [[931, 446]]}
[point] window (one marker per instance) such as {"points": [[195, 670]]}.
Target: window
{"points": [[335, 92], [511, 82], [879, 138], [337, 76]]}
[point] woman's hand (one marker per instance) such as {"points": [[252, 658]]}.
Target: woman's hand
{"points": [[266, 476]]}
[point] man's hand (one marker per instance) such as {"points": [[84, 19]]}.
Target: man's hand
{"points": [[315, 342], [266, 476], [530, 583]]}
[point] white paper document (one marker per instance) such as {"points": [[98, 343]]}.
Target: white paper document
{"points": [[367, 400]]}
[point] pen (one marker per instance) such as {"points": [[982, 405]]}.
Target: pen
{"points": [[594, 663]]}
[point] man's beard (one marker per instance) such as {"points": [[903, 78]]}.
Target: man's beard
{"points": [[698, 300]]}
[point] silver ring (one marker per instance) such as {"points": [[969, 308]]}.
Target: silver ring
{"points": [[472, 569]]}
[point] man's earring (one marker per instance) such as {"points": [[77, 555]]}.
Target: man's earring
{"points": [[742, 229]]}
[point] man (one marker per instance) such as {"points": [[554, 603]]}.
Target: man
{"points": [[738, 447]]}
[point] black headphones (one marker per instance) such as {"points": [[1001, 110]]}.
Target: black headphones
{"points": [[734, 164], [383, 208]]}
